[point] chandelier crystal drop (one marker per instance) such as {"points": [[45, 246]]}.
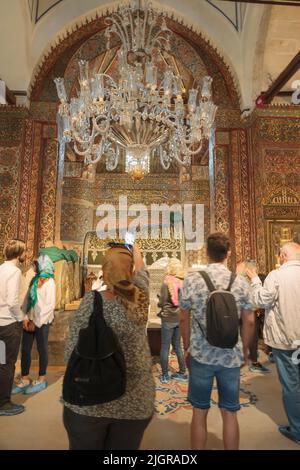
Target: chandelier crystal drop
{"points": [[140, 116]]}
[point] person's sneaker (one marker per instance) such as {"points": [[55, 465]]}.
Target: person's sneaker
{"points": [[286, 432], [258, 367], [11, 409], [20, 387], [36, 386], [179, 377], [164, 379]]}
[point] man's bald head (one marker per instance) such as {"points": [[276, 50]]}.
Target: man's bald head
{"points": [[290, 251]]}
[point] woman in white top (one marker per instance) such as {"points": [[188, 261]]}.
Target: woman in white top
{"points": [[40, 314]]}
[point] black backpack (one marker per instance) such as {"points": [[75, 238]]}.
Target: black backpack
{"points": [[222, 320], [96, 371]]}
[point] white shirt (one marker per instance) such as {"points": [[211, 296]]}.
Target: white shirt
{"points": [[10, 283], [43, 311], [280, 297]]}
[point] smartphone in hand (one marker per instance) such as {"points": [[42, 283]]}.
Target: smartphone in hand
{"points": [[129, 239]]}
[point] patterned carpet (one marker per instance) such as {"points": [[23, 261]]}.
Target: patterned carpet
{"points": [[173, 396]]}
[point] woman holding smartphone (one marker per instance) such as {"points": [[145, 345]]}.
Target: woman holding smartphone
{"points": [[120, 423]]}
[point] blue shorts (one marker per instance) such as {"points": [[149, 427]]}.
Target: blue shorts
{"points": [[201, 379]]}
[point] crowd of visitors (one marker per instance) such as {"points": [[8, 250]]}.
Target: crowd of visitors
{"points": [[212, 318]]}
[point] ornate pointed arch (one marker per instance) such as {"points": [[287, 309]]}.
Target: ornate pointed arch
{"points": [[56, 59]]}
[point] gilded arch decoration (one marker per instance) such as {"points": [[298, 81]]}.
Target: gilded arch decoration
{"points": [[71, 40]]}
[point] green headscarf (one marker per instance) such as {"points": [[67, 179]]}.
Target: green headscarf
{"points": [[45, 270]]}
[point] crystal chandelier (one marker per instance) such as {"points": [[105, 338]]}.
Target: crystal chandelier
{"points": [[139, 116]]}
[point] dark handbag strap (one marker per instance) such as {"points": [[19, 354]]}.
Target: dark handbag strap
{"points": [[199, 324], [208, 281], [232, 279], [97, 313], [211, 286]]}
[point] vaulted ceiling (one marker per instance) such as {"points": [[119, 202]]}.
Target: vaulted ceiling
{"points": [[233, 11]]}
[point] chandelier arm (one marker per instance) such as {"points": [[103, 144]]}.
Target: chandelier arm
{"points": [[80, 152], [192, 152], [165, 111], [160, 140], [114, 22], [158, 41], [98, 129], [116, 160], [88, 142], [170, 123], [159, 33], [178, 159], [165, 166], [126, 31], [149, 34], [144, 27], [124, 37], [159, 36], [132, 27], [78, 139], [109, 77], [90, 161], [99, 154], [114, 166], [138, 28], [115, 139]]}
